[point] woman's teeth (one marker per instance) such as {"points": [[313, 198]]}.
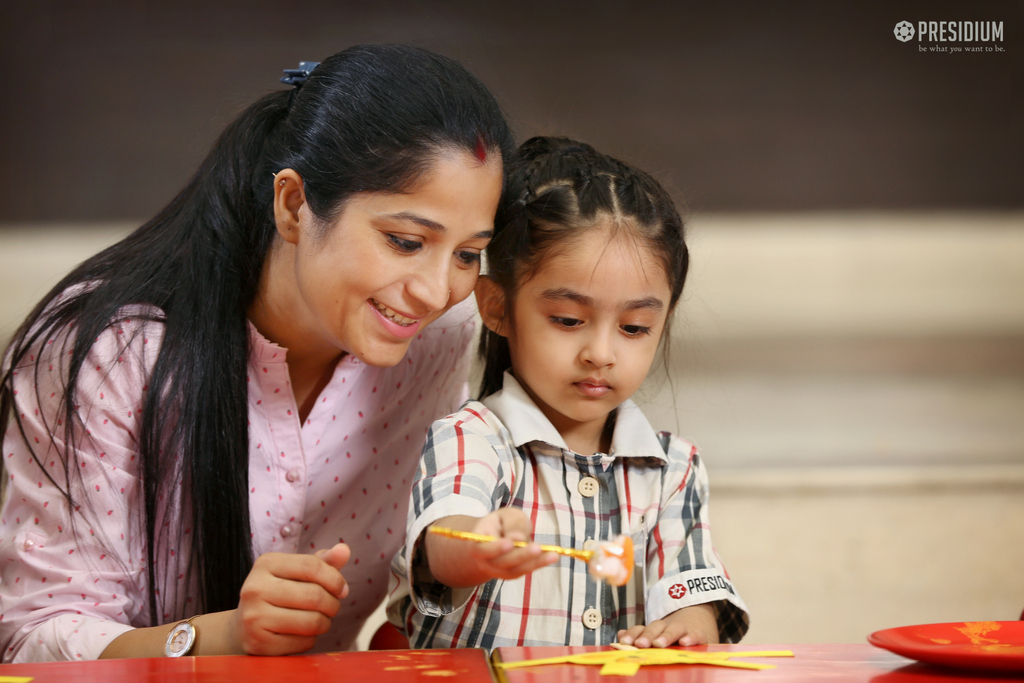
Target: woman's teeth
{"points": [[391, 315]]}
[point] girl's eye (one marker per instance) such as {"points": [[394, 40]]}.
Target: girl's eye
{"points": [[568, 323], [635, 330], [406, 246], [468, 258]]}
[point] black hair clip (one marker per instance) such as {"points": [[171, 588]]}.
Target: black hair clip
{"points": [[298, 76]]}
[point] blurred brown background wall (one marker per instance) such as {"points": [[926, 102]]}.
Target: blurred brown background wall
{"points": [[849, 349], [741, 106]]}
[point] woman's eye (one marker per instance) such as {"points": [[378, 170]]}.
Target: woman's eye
{"points": [[566, 322], [468, 258], [635, 330], [407, 246]]}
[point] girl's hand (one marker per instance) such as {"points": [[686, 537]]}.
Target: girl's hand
{"points": [[694, 625], [288, 600], [461, 564], [500, 559]]}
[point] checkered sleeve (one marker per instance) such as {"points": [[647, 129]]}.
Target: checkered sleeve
{"points": [[683, 568], [466, 469]]}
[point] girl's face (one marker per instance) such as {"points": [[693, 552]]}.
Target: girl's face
{"points": [[585, 329], [387, 267]]}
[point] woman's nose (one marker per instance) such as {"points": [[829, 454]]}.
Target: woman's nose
{"points": [[431, 288]]}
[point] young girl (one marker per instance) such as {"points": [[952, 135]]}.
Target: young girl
{"points": [[587, 266]]}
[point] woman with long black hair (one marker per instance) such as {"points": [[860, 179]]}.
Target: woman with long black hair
{"points": [[210, 426]]}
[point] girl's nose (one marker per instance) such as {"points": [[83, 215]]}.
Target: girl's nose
{"points": [[598, 351]]}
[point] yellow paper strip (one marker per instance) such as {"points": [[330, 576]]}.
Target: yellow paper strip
{"points": [[15, 679], [620, 669], [628, 662]]}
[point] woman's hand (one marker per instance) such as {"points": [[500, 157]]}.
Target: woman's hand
{"points": [[288, 600], [459, 564], [694, 625]]}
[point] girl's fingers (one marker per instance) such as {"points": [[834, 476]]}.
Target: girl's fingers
{"points": [[530, 565], [516, 557], [627, 636], [491, 549], [650, 633], [670, 636], [694, 638]]}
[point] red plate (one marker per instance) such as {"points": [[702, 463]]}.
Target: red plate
{"points": [[992, 645]]}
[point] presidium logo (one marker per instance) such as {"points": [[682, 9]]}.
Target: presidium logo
{"points": [[904, 31], [966, 32]]}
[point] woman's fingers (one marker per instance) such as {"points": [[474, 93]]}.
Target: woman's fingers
{"points": [[274, 630], [304, 569], [300, 595], [289, 599]]}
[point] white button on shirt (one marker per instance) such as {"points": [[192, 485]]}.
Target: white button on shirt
{"points": [[592, 618], [587, 487]]}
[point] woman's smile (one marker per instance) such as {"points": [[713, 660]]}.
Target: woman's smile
{"points": [[398, 325]]}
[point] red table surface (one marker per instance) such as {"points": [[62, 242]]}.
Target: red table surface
{"points": [[811, 663], [842, 662], [384, 666]]}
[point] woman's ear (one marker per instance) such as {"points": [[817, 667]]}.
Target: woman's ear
{"points": [[289, 201], [490, 300]]}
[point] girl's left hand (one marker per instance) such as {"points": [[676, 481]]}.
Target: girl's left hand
{"points": [[694, 625]]}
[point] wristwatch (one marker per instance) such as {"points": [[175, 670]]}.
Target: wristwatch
{"points": [[181, 639]]}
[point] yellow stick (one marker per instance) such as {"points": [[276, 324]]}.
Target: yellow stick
{"points": [[584, 555]]}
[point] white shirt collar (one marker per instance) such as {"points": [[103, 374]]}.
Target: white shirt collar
{"points": [[633, 436]]}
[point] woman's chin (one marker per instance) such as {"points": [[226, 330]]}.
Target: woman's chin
{"points": [[383, 354]]}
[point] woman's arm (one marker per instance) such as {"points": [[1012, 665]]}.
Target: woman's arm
{"points": [[285, 603]]}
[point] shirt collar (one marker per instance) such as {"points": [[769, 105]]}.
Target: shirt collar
{"points": [[263, 350], [633, 436]]}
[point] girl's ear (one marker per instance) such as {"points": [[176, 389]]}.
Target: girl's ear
{"points": [[490, 300], [289, 204]]}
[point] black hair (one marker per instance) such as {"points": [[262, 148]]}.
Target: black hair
{"points": [[557, 189], [372, 118]]}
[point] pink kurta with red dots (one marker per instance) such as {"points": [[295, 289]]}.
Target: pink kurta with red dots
{"points": [[66, 591]]}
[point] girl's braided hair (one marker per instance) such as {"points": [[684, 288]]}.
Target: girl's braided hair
{"points": [[557, 190]]}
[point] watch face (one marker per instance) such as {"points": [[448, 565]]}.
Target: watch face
{"points": [[180, 640]]}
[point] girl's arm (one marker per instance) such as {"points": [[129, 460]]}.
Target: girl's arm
{"points": [[459, 563], [684, 571]]}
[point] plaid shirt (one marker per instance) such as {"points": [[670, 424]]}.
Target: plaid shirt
{"points": [[505, 452]]}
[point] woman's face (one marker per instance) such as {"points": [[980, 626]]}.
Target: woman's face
{"points": [[388, 266]]}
